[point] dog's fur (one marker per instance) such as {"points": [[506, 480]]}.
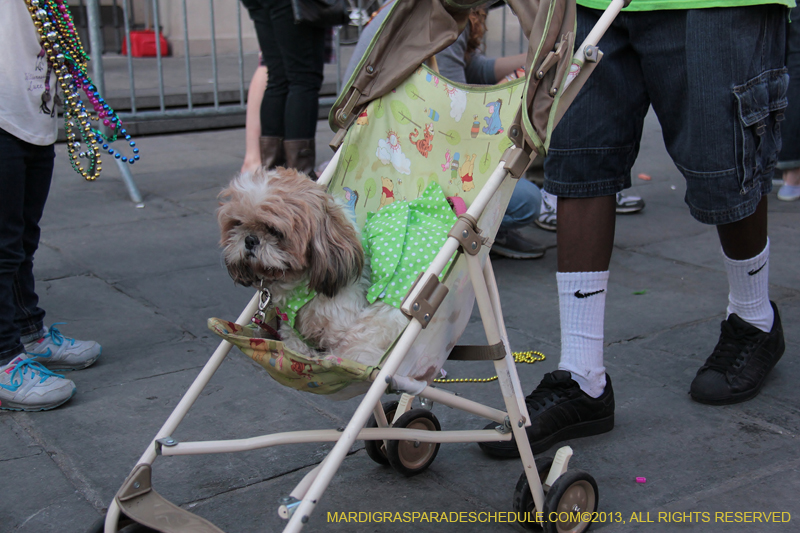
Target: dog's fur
{"points": [[282, 229]]}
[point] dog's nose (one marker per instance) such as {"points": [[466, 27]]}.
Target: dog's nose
{"points": [[250, 242]]}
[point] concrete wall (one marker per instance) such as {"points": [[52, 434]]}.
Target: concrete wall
{"points": [[198, 15]]}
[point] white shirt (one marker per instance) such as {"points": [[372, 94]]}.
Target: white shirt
{"points": [[23, 69]]}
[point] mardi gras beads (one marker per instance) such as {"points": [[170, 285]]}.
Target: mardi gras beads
{"points": [[68, 60]]}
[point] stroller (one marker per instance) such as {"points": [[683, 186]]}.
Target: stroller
{"points": [[394, 95]]}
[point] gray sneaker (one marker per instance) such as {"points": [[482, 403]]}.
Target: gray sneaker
{"points": [[512, 244], [25, 385], [58, 352]]}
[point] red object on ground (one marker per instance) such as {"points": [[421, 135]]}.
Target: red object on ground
{"points": [[143, 44], [645, 177]]}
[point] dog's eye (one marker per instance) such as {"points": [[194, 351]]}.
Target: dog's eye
{"points": [[275, 232], [236, 223]]}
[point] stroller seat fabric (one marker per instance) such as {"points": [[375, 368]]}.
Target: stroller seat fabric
{"points": [[428, 139]]}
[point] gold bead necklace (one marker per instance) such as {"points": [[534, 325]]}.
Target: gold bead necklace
{"points": [[529, 357]]}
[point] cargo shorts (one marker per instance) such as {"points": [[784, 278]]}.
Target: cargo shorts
{"points": [[717, 82]]}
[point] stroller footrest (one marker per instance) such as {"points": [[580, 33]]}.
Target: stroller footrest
{"points": [[139, 502], [494, 352]]}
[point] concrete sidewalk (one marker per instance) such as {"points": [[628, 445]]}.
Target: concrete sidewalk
{"points": [[143, 281]]}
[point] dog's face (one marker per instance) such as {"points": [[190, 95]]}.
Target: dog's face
{"points": [[278, 225]]}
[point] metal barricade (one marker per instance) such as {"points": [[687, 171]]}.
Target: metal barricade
{"points": [[189, 100]]}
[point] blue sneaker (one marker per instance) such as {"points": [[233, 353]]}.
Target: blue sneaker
{"points": [[25, 385], [57, 352]]}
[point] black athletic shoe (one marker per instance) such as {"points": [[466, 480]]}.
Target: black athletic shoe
{"points": [[559, 410], [741, 360]]}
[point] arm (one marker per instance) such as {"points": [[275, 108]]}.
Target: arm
{"points": [[503, 66], [255, 94]]}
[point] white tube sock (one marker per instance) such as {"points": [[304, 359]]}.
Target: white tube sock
{"points": [[749, 289], [582, 302]]}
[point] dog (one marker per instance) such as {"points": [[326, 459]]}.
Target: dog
{"points": [[283, 231]]}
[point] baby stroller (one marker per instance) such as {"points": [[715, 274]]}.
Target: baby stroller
{"points": [[394, 95]]}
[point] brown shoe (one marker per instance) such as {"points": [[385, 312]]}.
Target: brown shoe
{"points": [[272, 153], [301, 155]]}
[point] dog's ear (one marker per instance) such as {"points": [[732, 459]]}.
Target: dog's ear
{"points": [[335, 256]]}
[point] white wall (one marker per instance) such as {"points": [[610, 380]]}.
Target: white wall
{"points": [[198, 15]]}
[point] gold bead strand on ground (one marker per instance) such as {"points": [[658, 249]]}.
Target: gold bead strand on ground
{"points": [[529, 357]]}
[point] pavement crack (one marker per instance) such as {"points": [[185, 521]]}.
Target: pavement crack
{"points": [[8, 459], [117, 384], [658, 332], [31, 517], [200, 501], [64, 463]]}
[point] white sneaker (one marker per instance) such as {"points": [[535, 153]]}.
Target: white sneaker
{"points": [[789, 193], [548, 214], [25, 385], [629, 204], [57, 352]]}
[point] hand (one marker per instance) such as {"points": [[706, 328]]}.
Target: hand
{"points": [[251, 163]]}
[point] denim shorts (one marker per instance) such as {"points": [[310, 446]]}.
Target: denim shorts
{"points": [[789, 158], [717, 82]]}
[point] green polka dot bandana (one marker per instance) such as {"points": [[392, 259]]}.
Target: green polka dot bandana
{"points": [[401, 241]]}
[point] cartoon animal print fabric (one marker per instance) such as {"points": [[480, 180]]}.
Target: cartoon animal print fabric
{"points": [[493, 123], [400, 143], [424, 144], [387, 192], [466, 173]]}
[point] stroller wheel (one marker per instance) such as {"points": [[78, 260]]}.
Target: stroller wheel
{"points": [[411, 457], [572, 500], [375, 448], [523, 500]]}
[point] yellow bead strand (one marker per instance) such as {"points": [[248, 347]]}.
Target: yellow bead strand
{"points": [[529, 357]]}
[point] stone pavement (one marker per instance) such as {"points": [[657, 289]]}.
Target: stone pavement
{"points": [[143, 281]]}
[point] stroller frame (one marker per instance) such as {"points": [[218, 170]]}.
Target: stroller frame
{"points": [[138, 501]]}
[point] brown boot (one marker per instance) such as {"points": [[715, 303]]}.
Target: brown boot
{"points": [[301, 155], [272, 153]]}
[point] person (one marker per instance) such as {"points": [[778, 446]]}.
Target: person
{"points": [[464, 62], [720, 125], [253, 152], [294, 55], [29, 350], [789, 158]]}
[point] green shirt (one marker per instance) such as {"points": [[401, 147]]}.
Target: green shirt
{"points": [[657, 5]]}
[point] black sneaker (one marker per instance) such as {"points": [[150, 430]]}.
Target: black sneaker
{"points": [[559, 410], [514, 245], [741, 360]]}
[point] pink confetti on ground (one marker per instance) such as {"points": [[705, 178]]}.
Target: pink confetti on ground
{"points": [[645, 177], [641, 480]]}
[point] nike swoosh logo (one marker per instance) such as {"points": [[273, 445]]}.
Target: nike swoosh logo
{"points": [[756, 271], [579, 294], [48, 353]]}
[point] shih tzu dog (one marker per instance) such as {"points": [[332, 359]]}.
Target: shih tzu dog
{"points": [[284, 231]]}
